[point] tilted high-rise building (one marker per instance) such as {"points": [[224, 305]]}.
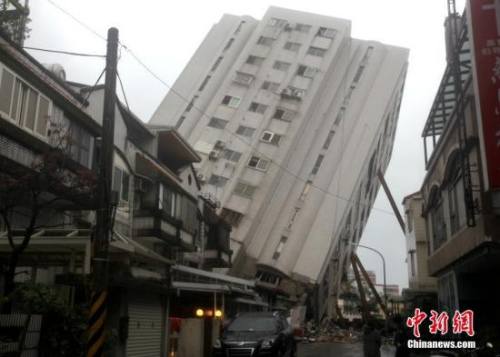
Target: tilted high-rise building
{"points": [[293, 118]]}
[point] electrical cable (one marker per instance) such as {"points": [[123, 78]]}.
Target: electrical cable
{"points": [[206, 115], [78, 21], [64, 52]]}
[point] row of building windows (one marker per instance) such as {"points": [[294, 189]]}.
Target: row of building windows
{"points": [[283, 24], [280, 113], [290, 46]]}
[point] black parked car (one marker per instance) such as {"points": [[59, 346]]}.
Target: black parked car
{"points": [[256, 334]]}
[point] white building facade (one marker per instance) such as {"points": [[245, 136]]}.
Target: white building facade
{"points": [[292, 118]]}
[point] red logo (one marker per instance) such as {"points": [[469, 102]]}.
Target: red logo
{"points": [[462, 322]]}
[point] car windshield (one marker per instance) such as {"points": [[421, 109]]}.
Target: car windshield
{"points": [[253, 324]]}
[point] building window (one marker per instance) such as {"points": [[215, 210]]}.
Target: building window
{"points": [[180, 121], [258, 163], [257, 108], [317, 164], [217, 123], [230, 216], [293, 218], [265, 41], [255, 60], [281, 66], [238, 29], [243, 78], [340, 115], [438, 223], [204, 84], [244, 189], [292, 46], [121, 184], [191, 104], [231, 101], [245, 131], [271, 138], [315, 51], [368, 53], [302, 28], [305, 191], [231, 155], [412, 262], [23, 104], [219, 181], [80, 142], [283, 114], [270, 86], [216, 64], [228, 45], [168, 200], [279, 23], [328, 140], [358, 74], [279, 248], [456, 196], [306, 71], [326, 32]]}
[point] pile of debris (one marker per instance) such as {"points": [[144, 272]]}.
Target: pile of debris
{"points": [[329, 332]]}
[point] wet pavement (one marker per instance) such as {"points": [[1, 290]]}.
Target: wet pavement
{"points": [[335, 349]]}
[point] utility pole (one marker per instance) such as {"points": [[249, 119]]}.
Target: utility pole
{"points": [[102, 233]]}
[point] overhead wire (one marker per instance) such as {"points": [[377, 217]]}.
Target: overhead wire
{"points": [[171, 89], [64, 52]]}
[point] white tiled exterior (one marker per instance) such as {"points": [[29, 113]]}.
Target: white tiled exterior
{"points": [[361, 79]]}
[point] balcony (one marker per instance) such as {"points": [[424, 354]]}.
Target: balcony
{"points": [[217, 252], [155, 226]]}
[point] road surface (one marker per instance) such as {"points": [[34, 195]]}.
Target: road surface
{"points": [[332, 349]]}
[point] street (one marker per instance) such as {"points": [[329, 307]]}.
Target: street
{"points": [[338, 350]]}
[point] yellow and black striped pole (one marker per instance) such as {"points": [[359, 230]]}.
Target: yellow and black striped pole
{"points": [[97, 317], [101, 238]]}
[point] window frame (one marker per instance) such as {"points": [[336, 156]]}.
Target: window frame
{"points": [[281, 65], [255, 60], [244, 189], [22, 104], [316, 51], [258, 108], [325, 32], [265, 41], [217, 123], [229, 99], [242, 130], [231, 155], [292, 46], [303, 71], [272, 137], [258, 165], [287, 115]]}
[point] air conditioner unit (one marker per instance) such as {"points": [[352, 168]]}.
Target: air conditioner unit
{"points": [[214, 155], [286, 92], [220, 144], [201, 178], [140, 185], [297, 94]]}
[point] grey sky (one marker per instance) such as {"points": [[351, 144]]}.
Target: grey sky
{"points": [[165, 34]]}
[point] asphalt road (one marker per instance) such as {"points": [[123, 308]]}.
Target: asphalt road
{"points": [[329, 349]]}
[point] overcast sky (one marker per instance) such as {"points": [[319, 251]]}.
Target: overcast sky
{"points": [[165, 34]]}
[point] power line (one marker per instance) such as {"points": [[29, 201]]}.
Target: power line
{"points": [[247, 143], [78, 21], [64, 52], [206, 115]]}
